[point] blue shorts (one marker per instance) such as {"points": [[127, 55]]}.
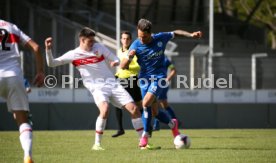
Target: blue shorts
{"points": [[163, 95], [155, 87]]}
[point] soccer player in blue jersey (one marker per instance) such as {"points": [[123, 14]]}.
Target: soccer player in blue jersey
{"points": [[149, 49], [162, 98]]}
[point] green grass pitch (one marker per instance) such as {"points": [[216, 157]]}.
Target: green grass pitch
{"points": [[216, 145]]}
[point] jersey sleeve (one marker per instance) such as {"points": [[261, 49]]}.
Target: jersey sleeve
{"points": [[165, 36], [23, 38], [132, 47], [62, 60]]}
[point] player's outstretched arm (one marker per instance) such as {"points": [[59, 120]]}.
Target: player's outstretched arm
{"points": [[197, 34], [48, 49], [39, 78], [51, 62]]}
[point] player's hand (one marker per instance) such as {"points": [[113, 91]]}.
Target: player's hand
{"points": [[197, 34], [114, 63], [48, 43], [39, 79]]}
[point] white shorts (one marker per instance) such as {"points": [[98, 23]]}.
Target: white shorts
{"points": [[115, 94], [12, 89]]}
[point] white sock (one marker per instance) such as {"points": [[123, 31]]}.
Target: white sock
{"points": [[100, 126], [138, 126], [26, 139]]}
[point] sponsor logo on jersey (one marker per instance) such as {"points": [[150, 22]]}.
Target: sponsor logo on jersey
{"points": [[155, 55], [89, 60]]}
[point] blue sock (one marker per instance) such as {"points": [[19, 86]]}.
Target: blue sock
{"points": [[171, 112], [163, 117], [146, 118]]}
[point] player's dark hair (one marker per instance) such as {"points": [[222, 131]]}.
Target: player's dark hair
{"points": [[127, 33], [87, 32], [144, 25]]}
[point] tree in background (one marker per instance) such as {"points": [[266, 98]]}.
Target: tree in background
{"points": [[258, 12]]}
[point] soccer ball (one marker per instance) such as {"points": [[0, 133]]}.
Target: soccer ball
{"points": [[182, 141]]}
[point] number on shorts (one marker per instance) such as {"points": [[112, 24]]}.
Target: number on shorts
{"points": [[4, 34]]}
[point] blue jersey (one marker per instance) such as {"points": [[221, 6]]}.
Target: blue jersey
{"points": [[151, 56]]}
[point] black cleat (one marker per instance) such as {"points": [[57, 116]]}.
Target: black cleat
{"points": [[119, 133]]}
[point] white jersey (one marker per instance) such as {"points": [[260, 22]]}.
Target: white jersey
{"points": [[10, 37], [91, 65]]}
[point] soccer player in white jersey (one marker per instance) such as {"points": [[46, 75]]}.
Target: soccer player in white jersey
{"points": [[89, 58], [12, 82]]}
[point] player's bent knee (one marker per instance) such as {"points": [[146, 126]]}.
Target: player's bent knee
{"points": [[133, 109], [104, 114]]}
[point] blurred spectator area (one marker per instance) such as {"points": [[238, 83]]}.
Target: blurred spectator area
{"points": [[62, 19]]}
